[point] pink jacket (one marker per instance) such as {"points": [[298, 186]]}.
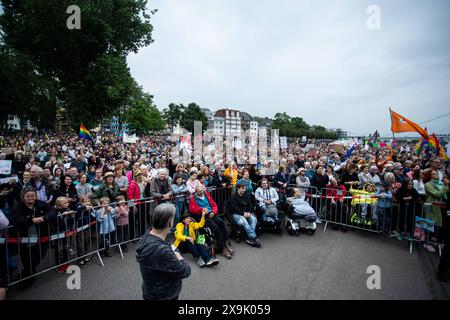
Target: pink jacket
{"points": [[129, 176]]}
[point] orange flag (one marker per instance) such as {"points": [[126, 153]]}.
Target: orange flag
{"points": [[401, 124]]}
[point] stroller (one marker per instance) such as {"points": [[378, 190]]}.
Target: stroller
{"points": [[300, 217]]}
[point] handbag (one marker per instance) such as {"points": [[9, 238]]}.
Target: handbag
{"points": [[201, 239]]}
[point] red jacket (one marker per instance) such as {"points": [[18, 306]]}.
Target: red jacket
{"points": [[334, 193], [134, 193], [195, 209]]}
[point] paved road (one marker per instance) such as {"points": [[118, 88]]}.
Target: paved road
{"points": [[330, 265]]}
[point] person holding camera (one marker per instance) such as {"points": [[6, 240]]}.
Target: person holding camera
{"points": [[162, 267]]}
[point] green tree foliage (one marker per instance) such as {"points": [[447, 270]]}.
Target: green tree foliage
{"points": [[24, 92], [143, 116], [190, 114], [86, 68], [173, 114], [297, 127]]}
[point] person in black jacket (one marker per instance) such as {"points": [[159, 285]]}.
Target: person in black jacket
{"points": [[67, 190], [31, 218], [162, 268], [407, 199], [240, 206], [349, 176], [281, 182]]}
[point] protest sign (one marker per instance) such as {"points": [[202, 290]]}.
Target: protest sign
{"points": [[8, 179], [5, 166], [129, 138], [283, 143]]}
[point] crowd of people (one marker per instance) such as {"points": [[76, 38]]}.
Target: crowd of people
{"points": [[59, 182]]}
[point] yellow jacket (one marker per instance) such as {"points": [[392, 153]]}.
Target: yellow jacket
{"points": [[366, 197], [228, 174], [193, 226]]}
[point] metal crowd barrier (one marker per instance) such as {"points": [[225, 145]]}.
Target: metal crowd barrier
{"points": [[72, 237]]}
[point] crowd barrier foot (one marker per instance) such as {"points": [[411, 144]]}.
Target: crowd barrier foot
{"points": [[410, 247], [100, 258], [325, 226], [121, 252]]}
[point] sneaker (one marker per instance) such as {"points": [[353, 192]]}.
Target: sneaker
{"points": [[212, 262], [82, 264], [63, 268], [88, 260], [201, 263], [72, 252], [409, 237], [429, 248], [251, 242], [395, 233], [318, 220], [125, 248], [228, 247], [226, 253]]}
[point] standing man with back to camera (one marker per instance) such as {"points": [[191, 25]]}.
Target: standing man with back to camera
{"points": [[162, 267]]}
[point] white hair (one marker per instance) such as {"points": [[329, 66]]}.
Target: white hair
{"points": [[37, 168], [162, 171]]}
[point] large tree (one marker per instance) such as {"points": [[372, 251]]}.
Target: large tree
{"points": [[88, 66], [297, 127], [173, 114], [25, 93], [143, 116], [193, 113]]}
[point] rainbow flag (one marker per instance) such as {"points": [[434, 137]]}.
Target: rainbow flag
{"points": [[84, 133]]}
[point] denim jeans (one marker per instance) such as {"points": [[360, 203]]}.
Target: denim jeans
{"points": [[384, 219], [198, 250], [270, 211], [248, 224], [179, 206]]}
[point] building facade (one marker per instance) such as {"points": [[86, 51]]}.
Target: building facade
{"points": [[231, 121]]}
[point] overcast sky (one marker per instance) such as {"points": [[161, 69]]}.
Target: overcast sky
{"points": [[313, 59]]}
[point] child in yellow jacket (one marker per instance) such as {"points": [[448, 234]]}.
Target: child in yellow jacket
{"points": [[364, 197], [186, 234]]}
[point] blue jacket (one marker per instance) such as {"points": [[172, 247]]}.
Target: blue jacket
{"points": [[106, 224], [178, 191], [384, 202]]}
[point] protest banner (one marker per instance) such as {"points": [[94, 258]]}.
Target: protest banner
{"points": [[5, 166]]}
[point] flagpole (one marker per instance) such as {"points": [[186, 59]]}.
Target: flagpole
{"points": [[390, 113]]}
